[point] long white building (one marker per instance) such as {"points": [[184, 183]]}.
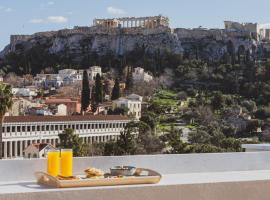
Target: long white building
{"points": [[21, 131]]}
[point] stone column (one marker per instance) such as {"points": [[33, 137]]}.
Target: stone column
{"points": [[10, 149], [21, 149], [5, 149], [16, 149], [25, 144]]}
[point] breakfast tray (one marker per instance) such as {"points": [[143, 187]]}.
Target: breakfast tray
{"points": [[143, 176]]}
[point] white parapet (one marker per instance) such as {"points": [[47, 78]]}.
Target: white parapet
{"points": [[222, 176]]}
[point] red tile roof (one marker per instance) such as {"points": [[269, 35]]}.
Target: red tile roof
{"points": [[13, 119], [59, 101], [41, 146]]}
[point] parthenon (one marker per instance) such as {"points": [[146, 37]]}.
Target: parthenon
{"points": [[129, 22]]}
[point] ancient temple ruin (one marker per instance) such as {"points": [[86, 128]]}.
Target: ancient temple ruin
{"points": [[129, 22]]}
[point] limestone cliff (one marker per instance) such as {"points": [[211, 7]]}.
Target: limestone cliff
{"points": [[74, 43]]}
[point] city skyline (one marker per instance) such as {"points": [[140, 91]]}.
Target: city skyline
{"points": [[35, 16]]}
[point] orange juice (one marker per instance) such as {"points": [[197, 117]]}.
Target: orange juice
{"points": [[53, 162], [66, 162]]}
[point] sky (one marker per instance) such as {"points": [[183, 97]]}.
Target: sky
{"points": [[30, 16]]}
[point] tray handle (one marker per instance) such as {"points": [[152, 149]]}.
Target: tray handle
{"points": [[44, 178], [140, 171]]}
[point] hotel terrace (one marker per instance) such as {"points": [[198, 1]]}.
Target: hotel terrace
{"points": [[21, 131]]}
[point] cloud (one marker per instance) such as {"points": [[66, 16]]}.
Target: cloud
{"points": [[50, 3], [9, 9], [50, 19], [115, 11], [57, 19], [6, 9], [36, 21]]}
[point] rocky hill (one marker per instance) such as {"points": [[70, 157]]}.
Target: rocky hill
{"points": [[82, 45]]}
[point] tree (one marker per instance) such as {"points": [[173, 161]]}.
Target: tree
{"points": [[126, 144], [129, 79], [199, 137], [116, 90], [5, 105], [147, 141], [93, 101], [174, 142], [151, 119], [218, 101], [85, 95], [68, 139], [98, 89]]}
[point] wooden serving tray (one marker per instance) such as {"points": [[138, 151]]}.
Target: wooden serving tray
{"points": [[143, 176]]}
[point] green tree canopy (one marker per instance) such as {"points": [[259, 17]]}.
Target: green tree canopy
{"points": [[68, 139]]}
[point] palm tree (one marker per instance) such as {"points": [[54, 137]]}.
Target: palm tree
{"points": [[5, 105]]}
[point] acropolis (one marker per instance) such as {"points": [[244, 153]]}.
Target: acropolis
{"points": [[129, 22], [154, 25]]}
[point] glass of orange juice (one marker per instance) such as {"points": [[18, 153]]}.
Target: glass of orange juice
{"points": [[53, 162], [66, 162]]}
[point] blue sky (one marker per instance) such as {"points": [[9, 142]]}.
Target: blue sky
{"points": [[30, 16]]}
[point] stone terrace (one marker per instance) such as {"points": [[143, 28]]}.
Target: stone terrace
{"points": [[195, 176]]}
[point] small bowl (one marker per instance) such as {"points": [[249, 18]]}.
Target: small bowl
{"points": [[123, 171]]}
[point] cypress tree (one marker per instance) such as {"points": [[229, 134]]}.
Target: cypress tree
{"points": [[116, 90], [98, 90], [93, 100], [85, 94], [129, 79]]}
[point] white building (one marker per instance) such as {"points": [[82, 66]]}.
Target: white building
{"points": [[48, 80], [93, 71], [132, 102], [39, 150], [69, 76], [21, 131], [24, 92], [67, 72], [61, 110], [140, 76], [21, 105]]}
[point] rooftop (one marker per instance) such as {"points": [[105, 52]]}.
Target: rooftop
{"points": [[60, 100], [40, 146], [215, 176], [14, 119]]}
